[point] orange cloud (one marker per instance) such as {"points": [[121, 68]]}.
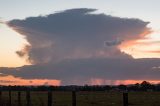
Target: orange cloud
{"points": [[135, 81], [146, 33], [143, 47], [11, 80], [98, 81], [134, 41]]}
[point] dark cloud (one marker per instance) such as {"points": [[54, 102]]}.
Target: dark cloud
{"points": [[76, 46], [76, 33], [24, 51], [81, 71], [20, 53], [113, 43]]}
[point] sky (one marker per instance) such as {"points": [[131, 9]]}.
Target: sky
{"points": [[79, 42]]}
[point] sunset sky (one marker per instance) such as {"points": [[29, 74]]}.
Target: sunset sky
{"points": [[46, 42]]}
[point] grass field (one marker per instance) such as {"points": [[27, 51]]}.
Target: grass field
{"points": [[87, 98]]}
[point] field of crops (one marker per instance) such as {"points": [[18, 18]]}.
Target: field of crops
{"points": [[85, 98]]}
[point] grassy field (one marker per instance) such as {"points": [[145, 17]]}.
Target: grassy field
{"points": [[88, 98]]}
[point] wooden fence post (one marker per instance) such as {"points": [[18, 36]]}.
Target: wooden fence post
{"points": [[50, 98], [125, 99], [10, 99], [1, 97], [28, 98], [19, 98], [74, 98]]}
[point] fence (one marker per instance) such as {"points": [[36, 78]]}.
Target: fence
{"points": [[49, 97]]}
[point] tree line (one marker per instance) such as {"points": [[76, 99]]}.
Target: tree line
{"points": [[144, 86]]}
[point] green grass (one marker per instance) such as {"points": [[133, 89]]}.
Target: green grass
{"points": [[144, 98], [87, 98]]}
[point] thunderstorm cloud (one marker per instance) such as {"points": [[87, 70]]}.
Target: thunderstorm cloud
{"points": [[76, 45]]}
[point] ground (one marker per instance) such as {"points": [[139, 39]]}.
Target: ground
{"points": [[87, 98]]}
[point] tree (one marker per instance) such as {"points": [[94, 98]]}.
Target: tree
{"points": [[146, 85]]}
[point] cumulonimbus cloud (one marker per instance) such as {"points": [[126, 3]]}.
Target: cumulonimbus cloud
{"points": [[81, 71], [76, 45], [76, 33]]}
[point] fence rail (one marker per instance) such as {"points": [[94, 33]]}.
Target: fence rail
{"points": [[49, 97]]}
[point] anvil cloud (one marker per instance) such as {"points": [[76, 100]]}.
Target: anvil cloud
{"points": [[76, 33], [76, 46]]}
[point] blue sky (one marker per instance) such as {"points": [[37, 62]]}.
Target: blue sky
{"points": [[147, 10]]}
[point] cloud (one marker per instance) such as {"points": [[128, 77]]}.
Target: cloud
{"points": [[75, 34], [11, 80], [113, 43], [24, 51], [82, 71], [2, 21], [78, 47]]}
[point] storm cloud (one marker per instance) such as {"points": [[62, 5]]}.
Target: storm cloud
{"points": [[76, 33], [76, 46], [81, 71]]}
